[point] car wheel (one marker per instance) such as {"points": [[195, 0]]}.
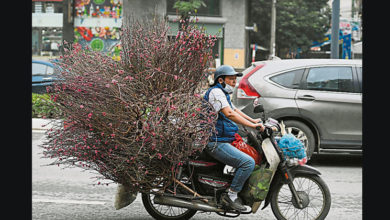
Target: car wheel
{"points": [[303, 133]]}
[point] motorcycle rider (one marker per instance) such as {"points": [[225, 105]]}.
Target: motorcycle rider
{"points": [[220, 146]]}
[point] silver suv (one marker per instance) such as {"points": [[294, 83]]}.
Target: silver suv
{"points": [[319, 100]]}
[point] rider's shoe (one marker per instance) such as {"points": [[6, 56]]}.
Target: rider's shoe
{"points": [[236, 204]]}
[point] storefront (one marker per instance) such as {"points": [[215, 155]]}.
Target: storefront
{"points": [[46, 27]]}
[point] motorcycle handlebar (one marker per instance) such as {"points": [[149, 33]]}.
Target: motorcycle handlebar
{"points": [[270, 126]]}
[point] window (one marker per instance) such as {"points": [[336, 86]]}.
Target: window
{"points": [[49, 71], [37, 7], [40, 69], [289, 79], [212, 8], [46, 7], [337, 79]]}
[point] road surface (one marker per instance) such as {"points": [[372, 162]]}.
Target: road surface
{"points": [[70, 193]]}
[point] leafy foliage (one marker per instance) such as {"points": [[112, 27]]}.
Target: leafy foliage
{"points": [[298, 23], [187, 7], [44, 107]]}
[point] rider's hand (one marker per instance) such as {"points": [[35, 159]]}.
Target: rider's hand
{"points": [[259, 125], [256, 121]]}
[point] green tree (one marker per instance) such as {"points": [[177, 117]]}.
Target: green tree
{"points": [[298, 24], [186, 8]]}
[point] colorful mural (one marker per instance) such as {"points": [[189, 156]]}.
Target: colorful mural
{"points": [[99, 8], [104, 39], [89, 33]]}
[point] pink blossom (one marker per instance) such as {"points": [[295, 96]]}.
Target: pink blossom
{"points": [[81, 106], [129, 78], [90, 115], [103, 113]]}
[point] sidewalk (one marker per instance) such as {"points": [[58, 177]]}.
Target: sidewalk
{"points": [[41, 125]]}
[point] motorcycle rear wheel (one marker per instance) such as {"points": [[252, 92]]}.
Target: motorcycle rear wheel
{"points": [[164, 212], [312, 190]]}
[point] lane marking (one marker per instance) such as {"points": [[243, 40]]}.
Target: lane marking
{"points": [[69, 201]]}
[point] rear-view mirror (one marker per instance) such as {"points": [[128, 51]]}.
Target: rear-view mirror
{"points": [[258, 108]]}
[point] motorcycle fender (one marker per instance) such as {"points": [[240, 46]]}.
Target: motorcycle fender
{"points": [[278, 179], [306, 169]]}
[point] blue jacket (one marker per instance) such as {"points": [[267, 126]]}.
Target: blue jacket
{"points": [[226, 129]]}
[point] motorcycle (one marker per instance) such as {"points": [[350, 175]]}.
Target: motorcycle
{"points": [[296, 191]]}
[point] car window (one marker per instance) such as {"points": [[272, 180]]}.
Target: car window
{"points": [[49, 71], [38, 69], [337, 79], [290, 79]]}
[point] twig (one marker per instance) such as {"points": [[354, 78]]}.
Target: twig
{"points": [[188, 189]]}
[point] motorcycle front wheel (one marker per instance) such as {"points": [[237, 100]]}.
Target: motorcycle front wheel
{"points": [[164, 212], [313, 192]]}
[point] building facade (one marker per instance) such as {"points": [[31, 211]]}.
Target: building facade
{"points": [[226, 19], [97, 24], [47, 18]]}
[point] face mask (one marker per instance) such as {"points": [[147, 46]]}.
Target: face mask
{"points": [[228, 88]]}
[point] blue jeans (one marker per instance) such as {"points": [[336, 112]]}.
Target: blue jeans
{"points": [[228, 154]]}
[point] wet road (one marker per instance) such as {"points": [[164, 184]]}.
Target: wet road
{"points": [[73, 194]]}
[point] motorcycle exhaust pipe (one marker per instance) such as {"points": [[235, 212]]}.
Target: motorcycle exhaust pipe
{"points": [[197, 205]]}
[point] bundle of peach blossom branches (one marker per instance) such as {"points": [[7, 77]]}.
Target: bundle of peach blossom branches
{"points": [[134, 120]]}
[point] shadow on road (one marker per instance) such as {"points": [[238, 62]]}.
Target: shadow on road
{"points": [[343, 160]]}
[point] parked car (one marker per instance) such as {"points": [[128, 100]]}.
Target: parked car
{"points": [[43, 74], [319, 100]]}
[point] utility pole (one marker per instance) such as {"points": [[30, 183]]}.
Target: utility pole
{"points": [[334, 47], [273, 24]]}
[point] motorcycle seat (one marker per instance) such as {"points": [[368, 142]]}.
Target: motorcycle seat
{"points": [[204, 156]]}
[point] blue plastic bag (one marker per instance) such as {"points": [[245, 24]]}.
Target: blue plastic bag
{"points": [[291, 146]]}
